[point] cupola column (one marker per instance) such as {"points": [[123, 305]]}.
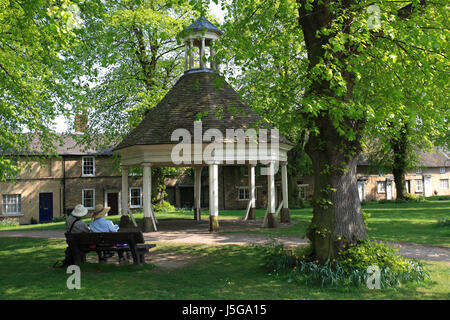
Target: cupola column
{"points": [[191, 55], [202, 54], [186, 56]]}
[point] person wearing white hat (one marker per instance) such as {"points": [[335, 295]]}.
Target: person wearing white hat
{"points": [[74, 223]]}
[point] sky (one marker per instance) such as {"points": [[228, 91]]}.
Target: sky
{"points": [[215, 9]]}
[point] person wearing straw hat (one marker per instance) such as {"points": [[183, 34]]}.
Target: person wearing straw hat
{"points": [[99, 223], [74, 223]]}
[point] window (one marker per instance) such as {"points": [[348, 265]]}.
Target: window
{"points": [[243, 193], [442, 170], [419, 186], [88, 164], [135, 197], [419, 171], [381, 186], [88, 198], [444, 184], [302, 191], [11, 204]]}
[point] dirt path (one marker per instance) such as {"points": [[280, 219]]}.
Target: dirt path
{"points": [[194, 232]]}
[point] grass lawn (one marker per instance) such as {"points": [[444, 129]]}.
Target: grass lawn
{"points": [[219, 272], [414, 222]]}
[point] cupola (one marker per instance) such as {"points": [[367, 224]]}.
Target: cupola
{"points": [[198, 40]]}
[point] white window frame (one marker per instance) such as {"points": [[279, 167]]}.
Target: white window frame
{"points": [[140, 197], [83, 164], [442, 170], [246, 191], [418, 187], [93, 198], [419, 171], [381, 183], [441, 184], [6, 204]]}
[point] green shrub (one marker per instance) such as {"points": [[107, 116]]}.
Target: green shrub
{"points": [[361, 256], [366, 217], [59, 219], [410, 197], [164, 206], [349, 269], [280, 259], [8, 223]]}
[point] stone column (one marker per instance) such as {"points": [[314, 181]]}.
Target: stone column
{"points": [[202, 53], [197, 192], [148, 222], [211, 55], [186, 56], [270, 220], [124, 219], [285, 215], [213, 198], [251, 192], [191, 55]]}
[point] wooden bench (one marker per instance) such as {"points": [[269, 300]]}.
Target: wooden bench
{"points": [[81, 243]]}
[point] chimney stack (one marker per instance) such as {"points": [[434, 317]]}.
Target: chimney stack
{"points": [[81, 123]]}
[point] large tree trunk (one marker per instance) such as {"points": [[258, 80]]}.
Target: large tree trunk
{"points": [[399, 146], [337, 218]]}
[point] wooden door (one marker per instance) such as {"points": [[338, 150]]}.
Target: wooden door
{"points": [[45, 207], [112, 201]]}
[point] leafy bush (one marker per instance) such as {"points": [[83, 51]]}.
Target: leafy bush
{"points": [[164, 206], [349, 269], [410, 197], [8, 223], [366, 217], [361, 256], [59, 219]]}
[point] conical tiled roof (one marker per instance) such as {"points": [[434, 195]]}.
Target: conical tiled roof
{"points": [[198, 93], [201, 24]]}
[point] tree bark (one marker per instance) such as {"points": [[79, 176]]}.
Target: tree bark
{"points": [[399, 145], [337, 217]]}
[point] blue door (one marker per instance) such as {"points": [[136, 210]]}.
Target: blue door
{"points": [[45, 207]]}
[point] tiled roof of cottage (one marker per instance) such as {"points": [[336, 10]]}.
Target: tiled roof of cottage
{"points": [[63, 145], [196, 94], [427, 159]]}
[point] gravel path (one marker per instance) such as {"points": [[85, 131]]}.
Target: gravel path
{"points": [[192, 232]]}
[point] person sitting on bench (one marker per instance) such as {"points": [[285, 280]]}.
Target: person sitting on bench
{"points": [[100, 224], [74, 223]]}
